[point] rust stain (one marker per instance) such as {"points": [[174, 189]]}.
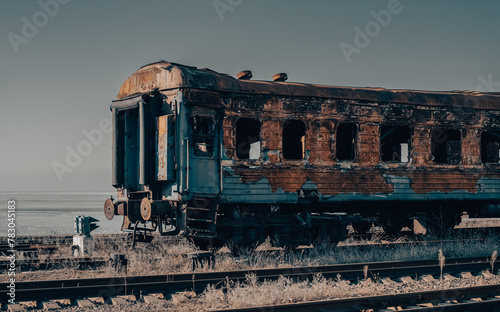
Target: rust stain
{"points": [[333, 182], [329, 182], [162, 147], [425, 182]]}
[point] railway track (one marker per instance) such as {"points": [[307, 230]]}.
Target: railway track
{"points": [[40, 239], [32, 263], [30, 246], [484, 298], [28, 249], [138, 285], [54, 239], [54, 264]]}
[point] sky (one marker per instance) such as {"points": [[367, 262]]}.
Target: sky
{"points": [[62, 62]]}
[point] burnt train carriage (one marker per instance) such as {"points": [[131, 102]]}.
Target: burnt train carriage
{"points": [[204, 155]]}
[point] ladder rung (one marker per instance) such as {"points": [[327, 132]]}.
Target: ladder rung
{"points": [[198, 208], [201, 230], [200, 220]]}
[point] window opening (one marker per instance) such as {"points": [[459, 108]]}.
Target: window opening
{"points": [[346, 141], [203, 135], [248, 138], [490, 147], [294, 132], [446, 146], [395, 143]]}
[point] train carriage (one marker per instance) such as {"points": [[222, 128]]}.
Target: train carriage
{"points": [[209, 156]]}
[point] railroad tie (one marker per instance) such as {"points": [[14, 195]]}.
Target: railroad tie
{"points": [[119, 301], [366, 282], [449, 277], [96, 300], [151, 300], [16, 308], [85, 303], [406, 279], [180, 297], [388, 281], [130, 298], [28, 304], [50, 305], [487, 274], [427, 278], [64, 302], [466, 275]]}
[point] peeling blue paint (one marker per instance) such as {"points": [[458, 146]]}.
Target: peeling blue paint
{"points": [[235, 190]]}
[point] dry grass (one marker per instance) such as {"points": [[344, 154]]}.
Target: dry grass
{"points": [[162, 256], [253, 293], [166, 255], [442, 261]]}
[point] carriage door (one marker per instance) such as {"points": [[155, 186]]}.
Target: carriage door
{"points": [[204, 175], [204, 165]]}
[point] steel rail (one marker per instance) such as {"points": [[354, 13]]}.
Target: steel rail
{"points": [[39, 239], [30, 248], [53, 264], [134, 285]]}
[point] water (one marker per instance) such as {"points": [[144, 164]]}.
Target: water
{"points": [[39, 213]]}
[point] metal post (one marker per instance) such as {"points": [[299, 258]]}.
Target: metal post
{"points": [[114, 139], [142, 144]]}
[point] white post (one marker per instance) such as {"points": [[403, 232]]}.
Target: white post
{"points": [[404, 152]]}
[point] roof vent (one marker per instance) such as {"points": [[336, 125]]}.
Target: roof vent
{"points": [[245, 75], [280, 77]]}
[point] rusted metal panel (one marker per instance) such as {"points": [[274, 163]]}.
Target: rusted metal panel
{"points": [[471, 150], [421, 145], [328, 182], [431, 181], [270, 140], [318, 142], [368, 144], [262, 185], [366, 177], [165, 150], [227, 137]]}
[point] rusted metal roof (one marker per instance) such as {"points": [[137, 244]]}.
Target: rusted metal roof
{"points": [[165, 75]]}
